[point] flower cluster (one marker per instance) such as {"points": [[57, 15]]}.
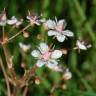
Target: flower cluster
{"points": [[44, 54], [47, 53]]}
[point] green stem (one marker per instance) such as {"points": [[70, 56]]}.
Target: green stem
{"points": [[86, 85]]}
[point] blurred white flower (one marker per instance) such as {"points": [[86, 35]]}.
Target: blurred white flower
{"points": [[46, 56], [80, 45], [67, 75], [24, 47], [3, 18], [58, 68], [35, 19], [56, 29], [14, 21]]}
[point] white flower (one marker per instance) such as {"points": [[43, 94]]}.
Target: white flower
{"points": [[24, 47], [81, 45], [14, 21], [67, 75], [46, 56], [3, 18], [35, 19], [58, 68], [56, 29]]}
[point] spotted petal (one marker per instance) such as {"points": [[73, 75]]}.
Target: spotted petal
{"points": [[56, 54], [68, 33], [52, 33], [50, 24], [35, 53], [51, 64], [40, 63]]}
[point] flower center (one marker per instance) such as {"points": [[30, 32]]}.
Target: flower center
{"points": [[46, 55], [59, 28]]}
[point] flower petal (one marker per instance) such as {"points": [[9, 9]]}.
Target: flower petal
{"points": [[24, 47], [42, 20], [50, 24], [35, 53], [2, 23], [43, 47], [52, 33], [12, 21], [81, 46], [28, 17], [40, 63], [56, 54], [67, 75], [62, 23], [60, 38], [51, 64], [68, 33], [18, 23]]}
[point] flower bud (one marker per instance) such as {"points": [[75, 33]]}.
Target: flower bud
{"points": [[37, 80]]}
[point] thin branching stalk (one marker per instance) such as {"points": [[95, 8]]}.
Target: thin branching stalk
{"points": [[26, 77], [6, 78], [17, 34], [15, 91], [9, 63], [25, 91], [3, 32]]}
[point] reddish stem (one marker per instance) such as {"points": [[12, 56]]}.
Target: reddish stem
{"points": [[6, 78]]}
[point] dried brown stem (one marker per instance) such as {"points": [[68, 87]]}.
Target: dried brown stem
{"points": [[27, 76], [6, 78], [4, 42], [15, 91], [25, 91], [9, 64]]}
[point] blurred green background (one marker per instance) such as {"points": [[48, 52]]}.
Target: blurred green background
{"points": [[81, 19]]}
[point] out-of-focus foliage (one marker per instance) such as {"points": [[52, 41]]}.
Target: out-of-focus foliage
{"points": [[81, 18]]}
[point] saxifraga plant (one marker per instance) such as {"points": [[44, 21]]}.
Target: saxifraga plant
{"points": [[44, 54]]}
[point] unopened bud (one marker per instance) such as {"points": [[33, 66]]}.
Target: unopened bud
{"points": [[64, 86], [5, 38], [23, 65], [37, 80], [25, 34], [67, 75], [39, 37], [64, 51]]}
